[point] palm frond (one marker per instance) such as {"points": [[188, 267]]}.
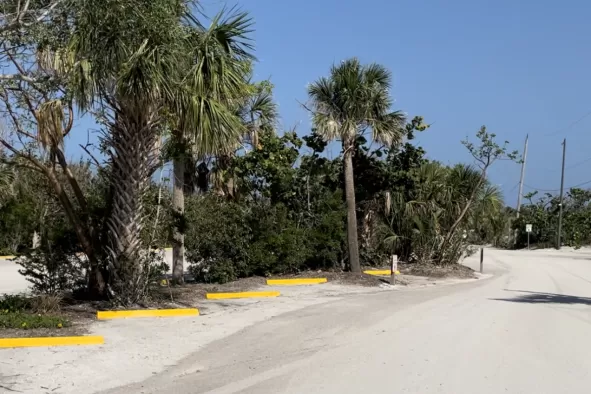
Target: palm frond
{"points": [[353, 98], [50, 117]]}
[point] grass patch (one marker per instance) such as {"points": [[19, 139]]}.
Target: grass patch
{"points": [[25, 321], [23, 313]]}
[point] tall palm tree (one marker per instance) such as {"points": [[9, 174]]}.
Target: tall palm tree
{"points": [[136, 61], [353, 99], [222, 57]]}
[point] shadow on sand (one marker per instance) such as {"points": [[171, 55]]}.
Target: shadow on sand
{"points": [[532, 297]]}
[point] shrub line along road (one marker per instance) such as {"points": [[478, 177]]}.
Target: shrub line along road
{"points": [[526, 330]]}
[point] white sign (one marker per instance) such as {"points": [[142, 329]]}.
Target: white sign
{"points": [[394, 267], [528, 228]]}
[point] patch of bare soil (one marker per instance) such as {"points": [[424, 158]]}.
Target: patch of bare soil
{"points": [[188, 294], [438, 272], [74, 330]]}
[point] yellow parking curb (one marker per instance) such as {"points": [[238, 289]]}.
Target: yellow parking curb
{"points": [[105, 315], [51, 341], [295, 282], [7, 257], [245, 294], [378, 272]]}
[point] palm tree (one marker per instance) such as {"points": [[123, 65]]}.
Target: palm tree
{"points": [[257, 111], [222, 57], [353, 99], [138, 63], [419, 218]]}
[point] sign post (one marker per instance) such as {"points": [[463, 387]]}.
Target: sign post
{"points": [[528, 228], [481, 260], [394, 269]]}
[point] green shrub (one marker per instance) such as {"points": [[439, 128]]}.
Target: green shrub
{"points": [[157, 267], [254, 239], [52, 271], [14, 303], [217, 239], [278, 246]]}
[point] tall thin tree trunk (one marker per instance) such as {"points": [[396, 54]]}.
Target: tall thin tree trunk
{"points": [[351, 212], [97, 285], [463, 212], [178, 202]]}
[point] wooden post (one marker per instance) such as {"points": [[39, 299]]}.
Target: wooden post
{"points": [[393, 269], [481, 259]]}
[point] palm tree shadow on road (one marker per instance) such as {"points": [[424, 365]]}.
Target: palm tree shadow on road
{"points": [[532, 297]]}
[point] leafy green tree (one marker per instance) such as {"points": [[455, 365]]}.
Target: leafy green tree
{"points": [[353, 99], [134, 65], [421, 213], [485, 154], [542, 213], [222, 56]]}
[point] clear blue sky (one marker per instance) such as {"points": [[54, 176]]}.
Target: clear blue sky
{"points": [[516, 66]]}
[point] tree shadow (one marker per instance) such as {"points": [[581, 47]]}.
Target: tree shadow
{"points": [[532, 297]]}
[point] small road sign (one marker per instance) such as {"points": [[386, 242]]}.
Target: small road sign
{"points": [[528, 228]]}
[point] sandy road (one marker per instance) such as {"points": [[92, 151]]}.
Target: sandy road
{"points": [[527, 330]]}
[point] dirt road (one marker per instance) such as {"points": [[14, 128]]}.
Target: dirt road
{"points": [[526, 330]]}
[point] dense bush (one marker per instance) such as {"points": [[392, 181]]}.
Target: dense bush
{"points": [[285, 214], [52, 270], [259, 239], [14, 303], [216, 239], [543, 213]]}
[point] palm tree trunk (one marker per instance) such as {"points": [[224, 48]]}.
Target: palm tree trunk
{"points": [[351, 211], [134, 153], [178, 202]]}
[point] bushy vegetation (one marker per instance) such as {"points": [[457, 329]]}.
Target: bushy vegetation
{"points": [[542, 214], [247, 198]]}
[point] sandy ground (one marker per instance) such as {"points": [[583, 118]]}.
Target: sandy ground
{"points": [[525, 330], [136, 350], [10, 280]]}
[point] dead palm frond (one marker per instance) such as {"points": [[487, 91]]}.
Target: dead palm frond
{"points": [[50, 129]]}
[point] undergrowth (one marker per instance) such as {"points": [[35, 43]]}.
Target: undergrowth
{"points": [[22, 312]]}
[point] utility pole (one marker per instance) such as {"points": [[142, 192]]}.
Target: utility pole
{"points": [[561, 193], [522, 176]]}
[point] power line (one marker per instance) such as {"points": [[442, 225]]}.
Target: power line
{"points": [[588, 159], [514, 187], [579, 163], [570, 125], [556, 190]]}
